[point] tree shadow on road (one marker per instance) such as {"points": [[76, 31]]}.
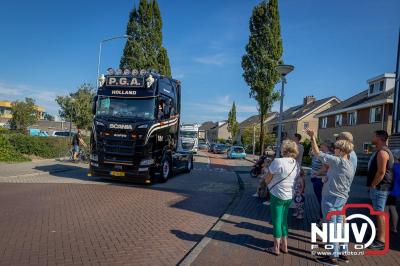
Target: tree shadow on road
{"points": [[246, 240]]}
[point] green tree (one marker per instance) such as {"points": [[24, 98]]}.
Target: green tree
{"points": [[263, 53], [48, 117], [144, 49], [233, 125], [24, 114], [247, 137], [78, 105]]}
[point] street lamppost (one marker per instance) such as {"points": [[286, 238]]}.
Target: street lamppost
{"points": [[101, 45], [72, 101], [283, 70]]}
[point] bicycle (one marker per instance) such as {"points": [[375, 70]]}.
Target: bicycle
{"points": [[81, 157]]}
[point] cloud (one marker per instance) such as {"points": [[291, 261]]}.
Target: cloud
{"points": [[218, 59], [216, 110], [43, 97]]}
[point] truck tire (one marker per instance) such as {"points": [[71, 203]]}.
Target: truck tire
{"points": [[189, 165], [166, 169]]}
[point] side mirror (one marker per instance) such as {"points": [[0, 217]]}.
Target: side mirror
{"points": [[94, 102]]}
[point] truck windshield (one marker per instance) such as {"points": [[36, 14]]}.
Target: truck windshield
{"points": [[188, 134], [135, 108]]}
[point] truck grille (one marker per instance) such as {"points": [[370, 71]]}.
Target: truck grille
{"points": [[118, 151], [187, 146]]}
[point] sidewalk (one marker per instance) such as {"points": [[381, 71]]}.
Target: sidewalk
{"points": [[245, 231], [38, 167]]}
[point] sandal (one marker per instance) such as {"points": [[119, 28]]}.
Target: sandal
{"points": [[271, 251], [284, 252]]}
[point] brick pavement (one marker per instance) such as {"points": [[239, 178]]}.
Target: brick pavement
{"points": [[47, 222], [245, 231]]}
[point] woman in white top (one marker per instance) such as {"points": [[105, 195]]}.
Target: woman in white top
{"points": [[280, 180]]}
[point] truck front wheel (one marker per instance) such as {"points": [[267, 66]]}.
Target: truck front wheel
{"points": [[166, 169]]}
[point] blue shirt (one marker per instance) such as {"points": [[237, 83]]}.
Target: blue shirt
{"points": [[353, 160]]}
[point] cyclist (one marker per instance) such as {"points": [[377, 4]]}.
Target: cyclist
{"points": [[76, 141]]}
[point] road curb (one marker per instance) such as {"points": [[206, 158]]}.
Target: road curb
{"points": [[194, 252]]}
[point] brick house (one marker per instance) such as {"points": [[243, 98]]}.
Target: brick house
{"points": [[302, 116], [219, 131], [253, 121], [361, 114]]}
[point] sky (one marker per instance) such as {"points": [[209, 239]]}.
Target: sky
{"points": [[49, 48]]}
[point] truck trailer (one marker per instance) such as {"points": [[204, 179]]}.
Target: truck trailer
{"points": [[136, 117]]}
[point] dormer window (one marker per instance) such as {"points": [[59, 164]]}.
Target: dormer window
{"points": [[381, 83], [371, 88]]}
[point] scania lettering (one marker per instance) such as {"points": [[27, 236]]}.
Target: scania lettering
{"points": [[136, 126]]}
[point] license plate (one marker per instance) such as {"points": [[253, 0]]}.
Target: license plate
{"points": [[115, 173]]}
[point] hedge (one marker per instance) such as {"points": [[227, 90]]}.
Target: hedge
{"points": [[19, 145], [8, 152]]}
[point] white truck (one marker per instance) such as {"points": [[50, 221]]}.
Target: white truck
{"points": [[189, 137]]}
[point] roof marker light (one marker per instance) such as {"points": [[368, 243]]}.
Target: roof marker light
{"points": [[102, 79], [110, 71], [149, 81]]}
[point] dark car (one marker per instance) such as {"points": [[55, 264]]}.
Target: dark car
{"points": [[211, 147], [220, 148]]}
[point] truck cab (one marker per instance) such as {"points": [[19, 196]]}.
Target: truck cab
{"points": [[135, 127], [189, 137]]}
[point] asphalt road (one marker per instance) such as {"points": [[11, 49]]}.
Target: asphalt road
{"points": [[52, 213]]}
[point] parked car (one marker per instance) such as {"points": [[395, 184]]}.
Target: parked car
{"points": [[236, 152], [203, 146], [38, 133], [62, 134], [220, 148], [211, 147]]}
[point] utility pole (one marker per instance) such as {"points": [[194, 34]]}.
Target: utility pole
{"points": [[254, 139]]}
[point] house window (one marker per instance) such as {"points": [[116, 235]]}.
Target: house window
{"points": [[338, 120], [367, 147], [324, 122], [371, 88], [306, 125], [375, 114], [352, 118], [381, 83]]}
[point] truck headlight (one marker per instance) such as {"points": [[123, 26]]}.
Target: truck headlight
{"points": [[94, 157], [100, 124], [147, 162], [143, 126]]}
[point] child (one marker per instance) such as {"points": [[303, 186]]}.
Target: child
{"points": [[298, 198], [318, 171]]}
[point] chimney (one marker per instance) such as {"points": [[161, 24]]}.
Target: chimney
{"points": [[308, 100]]}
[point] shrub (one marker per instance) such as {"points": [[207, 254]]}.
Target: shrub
{"points": [[8, 152], [50, 147]]}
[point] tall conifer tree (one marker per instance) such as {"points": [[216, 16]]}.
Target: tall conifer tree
{"points": [[144, 50], [263, 53]]}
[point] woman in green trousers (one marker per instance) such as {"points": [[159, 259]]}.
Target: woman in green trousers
{"points": [[280, 179]]}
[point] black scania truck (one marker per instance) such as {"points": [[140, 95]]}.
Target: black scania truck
{"points": [[135, 127]]}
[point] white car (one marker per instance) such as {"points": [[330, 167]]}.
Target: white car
{"points": [[62, 134]]}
